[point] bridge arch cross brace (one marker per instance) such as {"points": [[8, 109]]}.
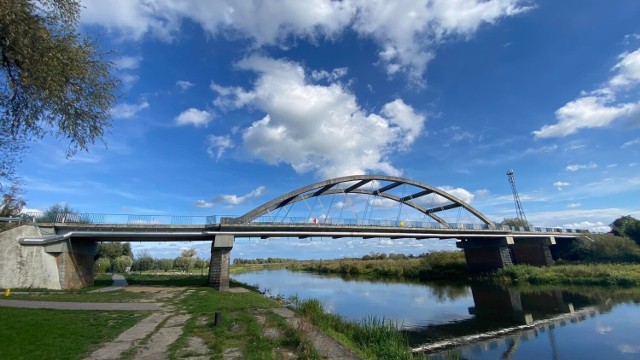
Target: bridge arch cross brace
{"points": [[329, 187]]}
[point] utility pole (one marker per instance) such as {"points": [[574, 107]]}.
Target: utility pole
{"points": [[516, 197]]}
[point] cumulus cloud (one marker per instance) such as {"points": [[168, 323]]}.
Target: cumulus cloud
{"points": [[217, 145], [127, 111], [406, 32], [233, 200], [128, 62], [184, 85], [193, 116], [318, 128], [576, 167], [600, 107], [561, 184], [631, 143], [202, 204]]}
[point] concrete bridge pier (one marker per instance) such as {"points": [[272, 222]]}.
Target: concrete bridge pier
{"points": [[220, 262], [75, 261], [485, 254], [533, 251]]}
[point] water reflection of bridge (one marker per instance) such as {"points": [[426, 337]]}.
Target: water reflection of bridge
{"points": [[507, 315]]}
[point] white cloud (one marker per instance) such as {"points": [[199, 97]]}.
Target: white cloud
{"points": [[128, 79], [600, 107], [318, 128], [334, 75], [128, 62], [218, 145], [202, 204], [592, 219], [237, 200], [631, 143], [576, 167], [193, 116], [574, 205], [586, 112], [628, 70], [629, 349], [184, 85], [561, 184], [127, 111], [407, 32]]}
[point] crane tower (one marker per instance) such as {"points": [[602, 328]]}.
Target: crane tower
{"points": [[516, 197]]}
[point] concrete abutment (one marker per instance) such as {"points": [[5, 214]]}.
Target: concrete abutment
{"points": [[220, 262]]}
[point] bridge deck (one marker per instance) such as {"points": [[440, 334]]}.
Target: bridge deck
{"points": [[157, 232]]}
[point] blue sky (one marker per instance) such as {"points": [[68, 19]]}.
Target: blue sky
{"points": [[226, 105]]}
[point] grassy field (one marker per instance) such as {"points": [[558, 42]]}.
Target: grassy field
{"points": [[58, 334]]}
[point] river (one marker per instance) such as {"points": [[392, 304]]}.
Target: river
{"points": [[479, 321]]}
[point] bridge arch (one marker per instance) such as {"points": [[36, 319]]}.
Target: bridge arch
{"points": [[331, 187]]}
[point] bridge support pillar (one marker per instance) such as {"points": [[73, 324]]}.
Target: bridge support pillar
{"points": [[533, 251], [486, 254], [220, 261], [75, 262]]}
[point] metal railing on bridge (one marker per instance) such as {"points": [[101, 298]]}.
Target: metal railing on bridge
{"points": [[134, 219]]}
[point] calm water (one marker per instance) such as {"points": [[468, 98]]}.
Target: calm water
{"points": [[479, 322]]}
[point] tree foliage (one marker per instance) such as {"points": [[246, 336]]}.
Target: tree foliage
{"points": [[112, 250], [102, 265], [121, 263], [58, 213], [52, 80], [604, 248], [627, 226], [514, 222], [12, 203]]}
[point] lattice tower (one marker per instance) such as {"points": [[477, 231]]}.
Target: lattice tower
{"points": [[516, 197]]}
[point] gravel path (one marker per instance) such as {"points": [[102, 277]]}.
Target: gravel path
{"points": [[119, 282]]}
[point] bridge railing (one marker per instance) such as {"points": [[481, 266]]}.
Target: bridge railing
{"points": [[134, 219], [115, 219]]}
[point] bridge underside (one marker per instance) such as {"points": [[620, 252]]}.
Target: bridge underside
{"points": [[73, 247]]}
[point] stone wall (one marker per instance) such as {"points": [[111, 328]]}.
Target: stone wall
{"points": [[26, 266]]}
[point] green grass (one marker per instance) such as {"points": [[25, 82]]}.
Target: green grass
{"points": [[58, 334], [626, 275], [80, 296], [239, 327], [372, 338], [166, 280]]}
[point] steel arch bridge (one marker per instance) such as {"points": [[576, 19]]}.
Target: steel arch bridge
{"points": [[372, 186]]}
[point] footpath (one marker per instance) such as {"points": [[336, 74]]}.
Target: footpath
{"points": [[151, 338]]}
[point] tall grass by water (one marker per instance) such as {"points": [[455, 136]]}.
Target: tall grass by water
{"points": [[372, 338], [441, 265]]}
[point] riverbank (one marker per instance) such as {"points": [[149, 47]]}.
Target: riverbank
{"points": [[451, 266]]}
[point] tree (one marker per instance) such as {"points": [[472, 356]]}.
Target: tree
{"points": [[53, 81], [144, 261], [112, 250], [12, 203], [200, 264], [121, 263], [58, 213], [514, 222], [165, 264], [102, 265], [189, 252], [627, 226]]}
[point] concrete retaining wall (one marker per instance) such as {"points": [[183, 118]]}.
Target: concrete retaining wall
{"points": [[26, 266]]}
